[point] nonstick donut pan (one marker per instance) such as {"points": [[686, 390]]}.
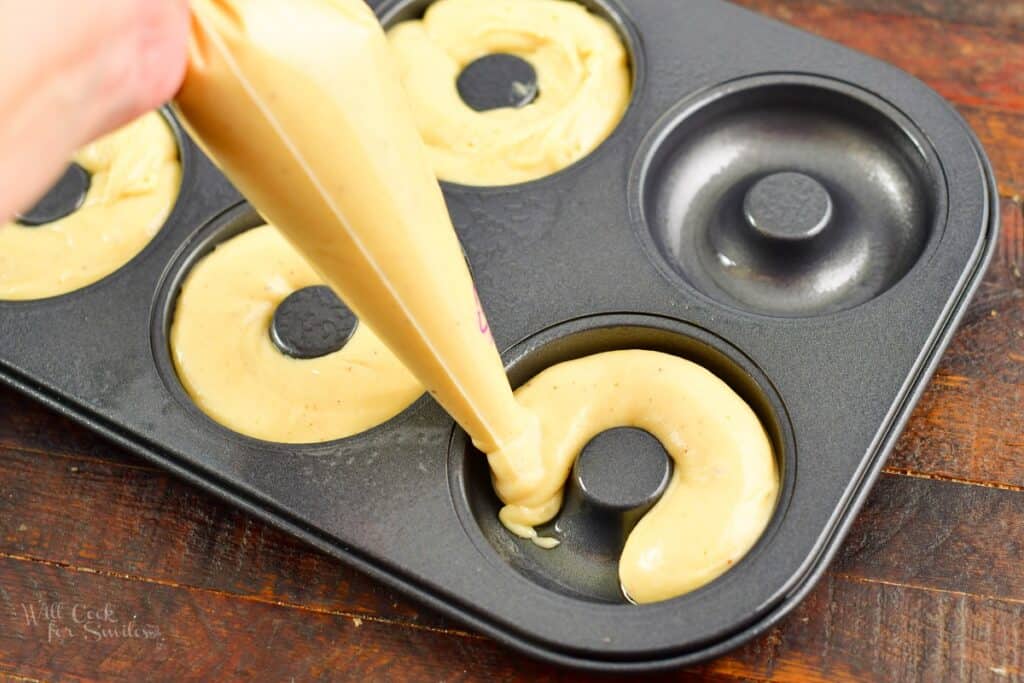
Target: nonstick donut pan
{"points": [[807, 222]]}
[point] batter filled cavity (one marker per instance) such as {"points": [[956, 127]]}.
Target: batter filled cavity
{"points": [[724, 481], [361, 201], [130, 181], [506, 91], [254, 368]]}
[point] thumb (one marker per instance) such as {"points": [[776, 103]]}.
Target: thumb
{"points": [[74, 71]]}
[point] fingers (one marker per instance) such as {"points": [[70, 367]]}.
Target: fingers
{"points": [[74, 71], [149, 65]]}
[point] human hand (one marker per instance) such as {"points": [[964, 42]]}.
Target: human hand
{"points": [[72, 70]]}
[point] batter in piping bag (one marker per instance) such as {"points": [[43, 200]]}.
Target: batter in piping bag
{"points": [[301, 105]]}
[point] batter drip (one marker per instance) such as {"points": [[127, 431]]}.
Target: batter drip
{"points": [[582, 70], [227, 362], [300, 103], [723, 487], [136, 176]]}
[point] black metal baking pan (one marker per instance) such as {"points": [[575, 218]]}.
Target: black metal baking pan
{"points": [[829, 321]]}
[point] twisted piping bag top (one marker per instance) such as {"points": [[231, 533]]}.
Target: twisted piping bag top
{"points": [[300, 105]]}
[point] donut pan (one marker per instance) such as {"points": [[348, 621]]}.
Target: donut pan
{"points": [[806, 221]]}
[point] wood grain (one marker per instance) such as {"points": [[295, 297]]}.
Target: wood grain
{"points": [[131, 522], [914, 534], [980, 68], [136, 525], [1008, 16], [848, 628], [857, 630], [1002, 135], [972, 65], [929, 585], [969, 424]]}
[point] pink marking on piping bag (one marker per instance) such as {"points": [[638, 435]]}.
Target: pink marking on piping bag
{"points": [[481, 318]]}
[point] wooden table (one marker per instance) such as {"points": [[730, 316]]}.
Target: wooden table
{"points": [[112, 570]]}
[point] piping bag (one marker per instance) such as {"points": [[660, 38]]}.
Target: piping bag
{"points": [[300, 105]]}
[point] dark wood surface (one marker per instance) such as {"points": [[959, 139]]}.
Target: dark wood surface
{"points": [[928, 586]]}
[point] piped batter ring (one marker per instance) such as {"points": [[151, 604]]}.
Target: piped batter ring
{"points": [[585, 565], [481, 147], [301, 372], [105, 210]]}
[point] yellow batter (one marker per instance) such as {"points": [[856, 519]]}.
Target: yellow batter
{"points": [[582, 71], [136, 175], [301, 105], [220, 341], [724, 482]]}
